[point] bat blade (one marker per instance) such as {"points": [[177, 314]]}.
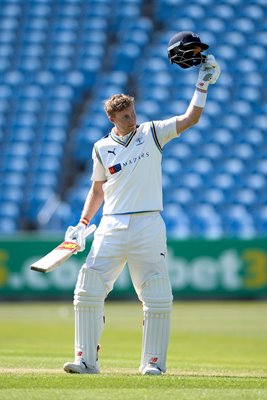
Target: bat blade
{"points": [[59, 255]]}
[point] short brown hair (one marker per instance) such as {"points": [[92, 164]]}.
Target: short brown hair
{"points": [[117, 102]]}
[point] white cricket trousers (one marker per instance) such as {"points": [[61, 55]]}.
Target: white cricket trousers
{"points": [[138, 239]]}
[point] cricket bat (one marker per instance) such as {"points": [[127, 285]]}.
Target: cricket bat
{"points": [[59, 255]]}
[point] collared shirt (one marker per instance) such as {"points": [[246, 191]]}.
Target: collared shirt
{"points": [[131, 167]]}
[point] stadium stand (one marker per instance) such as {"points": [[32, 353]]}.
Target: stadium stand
{"points": [[59, 59]]}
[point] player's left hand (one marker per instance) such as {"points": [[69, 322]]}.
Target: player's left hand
{"points": [[76, 234], [209, 73]]}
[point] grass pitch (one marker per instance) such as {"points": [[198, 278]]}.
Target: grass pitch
{"points": [[217, 351]]}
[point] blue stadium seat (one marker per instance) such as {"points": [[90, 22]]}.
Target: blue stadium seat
{"points": [[8, 225], [214, 196], [13, 179], [237, 222], [9, 209], [12, 194], [45, 179], [15, 164]]}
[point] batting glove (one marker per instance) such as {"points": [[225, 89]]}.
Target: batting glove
{"points": [[209, 73], [76, 234]]}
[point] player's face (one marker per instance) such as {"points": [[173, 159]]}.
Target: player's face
{"points": [[124, 121]]}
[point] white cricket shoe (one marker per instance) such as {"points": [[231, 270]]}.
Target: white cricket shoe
{"points": [[151, 369], [80, 367]]}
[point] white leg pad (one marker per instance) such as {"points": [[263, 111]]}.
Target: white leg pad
{"points": [[89, 296], [156, 296]]}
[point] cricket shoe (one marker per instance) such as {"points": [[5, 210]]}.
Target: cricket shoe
{"points": [[151, 369], [80, 367]]}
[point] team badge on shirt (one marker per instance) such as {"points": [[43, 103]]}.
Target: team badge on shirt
{"points": [[114, 169], [139, 141]]}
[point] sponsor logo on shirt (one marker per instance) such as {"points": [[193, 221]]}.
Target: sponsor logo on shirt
{"points": [[135, 159], [114, 169], [117, 167]]}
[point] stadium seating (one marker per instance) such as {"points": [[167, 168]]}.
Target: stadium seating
{"points": [[60, 59]]}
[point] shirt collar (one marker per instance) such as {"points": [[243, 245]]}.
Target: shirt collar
{"points": [[123, 140]]}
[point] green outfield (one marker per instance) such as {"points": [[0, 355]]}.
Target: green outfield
{"points": [[217, 351]]}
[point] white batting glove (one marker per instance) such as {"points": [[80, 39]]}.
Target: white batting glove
{"points": [[76, 234], [209, 73]]}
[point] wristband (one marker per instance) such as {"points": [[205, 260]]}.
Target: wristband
{"points": [[199, 99], [84, 221]]}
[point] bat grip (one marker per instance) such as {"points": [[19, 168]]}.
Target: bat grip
{"points": [[89, 230]]}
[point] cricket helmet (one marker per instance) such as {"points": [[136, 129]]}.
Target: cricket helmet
{"points": [[181, 49]]}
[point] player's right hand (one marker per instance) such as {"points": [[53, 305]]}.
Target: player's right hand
{"points": [[209, 73], [76, 234]]}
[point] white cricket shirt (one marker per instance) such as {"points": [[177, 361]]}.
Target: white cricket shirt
{"points": [[132, 168]]}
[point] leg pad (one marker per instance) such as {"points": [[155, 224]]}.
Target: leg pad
{"points": [[157, 297], [89, 296]]}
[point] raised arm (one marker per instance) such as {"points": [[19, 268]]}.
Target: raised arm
{"points": [[189, 118], [208, 74]]}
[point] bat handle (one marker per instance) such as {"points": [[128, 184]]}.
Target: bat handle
{"points": [[89, 230]]}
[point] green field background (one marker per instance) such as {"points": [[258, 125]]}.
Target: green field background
{"points": [[218, 350], [218, 344]]}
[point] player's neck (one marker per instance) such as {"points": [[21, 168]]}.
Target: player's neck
{"points": [[119, 133]]}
